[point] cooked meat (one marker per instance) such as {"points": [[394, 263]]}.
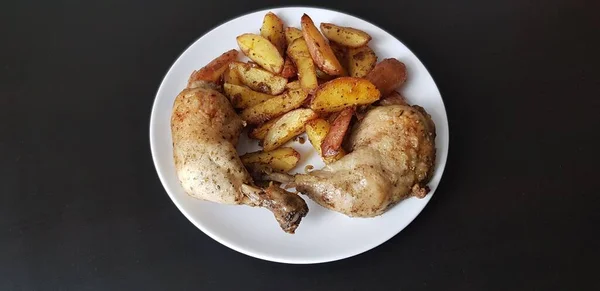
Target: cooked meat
{"points": [[205, 130], [393, 98], [392, 157]]}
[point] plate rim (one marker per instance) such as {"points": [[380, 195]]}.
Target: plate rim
{"points": [[266, 257]]}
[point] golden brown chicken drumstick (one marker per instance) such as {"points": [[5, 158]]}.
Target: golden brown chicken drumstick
{"points": [[392, 155], [205, 130]]}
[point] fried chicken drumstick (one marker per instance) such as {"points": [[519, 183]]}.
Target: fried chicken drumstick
{"points": [[205, 131], [392, 155]]}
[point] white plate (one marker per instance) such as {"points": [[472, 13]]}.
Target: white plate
{"points": [[323, 235]]}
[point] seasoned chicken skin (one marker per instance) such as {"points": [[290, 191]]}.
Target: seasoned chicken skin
{"points": [[205, 130], [392, 157]]}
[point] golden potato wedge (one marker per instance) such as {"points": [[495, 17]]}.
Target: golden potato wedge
{"points": [[261, 51], [244, 97], [388, 75], [298, 52], [287, 127], [274, 107], [319, 49], [346, 36], [213, 71], [272, 29], [333, 141], [260, 131], [317, 130], [281, 159], [258, 79], [344, 92], [232, 77], [293, 85], [291, 34], [289, 69], [361, 61]]}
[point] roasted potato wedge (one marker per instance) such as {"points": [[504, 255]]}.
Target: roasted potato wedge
{"points": [[213, 71], [258, 79], [291, 34], [317, 130], [346, 36], [287, 127], [293, 85], [261, 51], [232, 77], [260, 131], [289, 69], [298, 52], [319, 48], [344, 92], [330, 116], [272, 29], [322, 76], [281, 159], [388, 75], [274, 107], [340, 52], [333, 141], [244, 97], [361, 61]]}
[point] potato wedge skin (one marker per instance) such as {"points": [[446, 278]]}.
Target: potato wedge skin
{"points": [[261, 51], [322, 76], [287, 127], [298, 52], [212, 71], [244, 97], [333, 141], [317, 130], [346, 36], [281, 160], [258, 79], [272, 29], [319, 48], [274, 107], [344, 92], [291, 34], [361, 61], [289, 69], [388, 75]]}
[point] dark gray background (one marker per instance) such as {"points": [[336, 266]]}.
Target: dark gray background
{"points": [[81, 207]]}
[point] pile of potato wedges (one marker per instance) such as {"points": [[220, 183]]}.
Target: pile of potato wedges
{"points": [[302, 80]]}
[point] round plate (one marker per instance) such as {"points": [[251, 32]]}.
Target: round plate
{"points": [[323, 235]]}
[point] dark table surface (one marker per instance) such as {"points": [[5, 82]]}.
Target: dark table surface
{"points": [[81, 207]]}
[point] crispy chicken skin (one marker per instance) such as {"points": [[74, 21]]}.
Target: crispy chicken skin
{"points": [[392, 155], [205, 130]]}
